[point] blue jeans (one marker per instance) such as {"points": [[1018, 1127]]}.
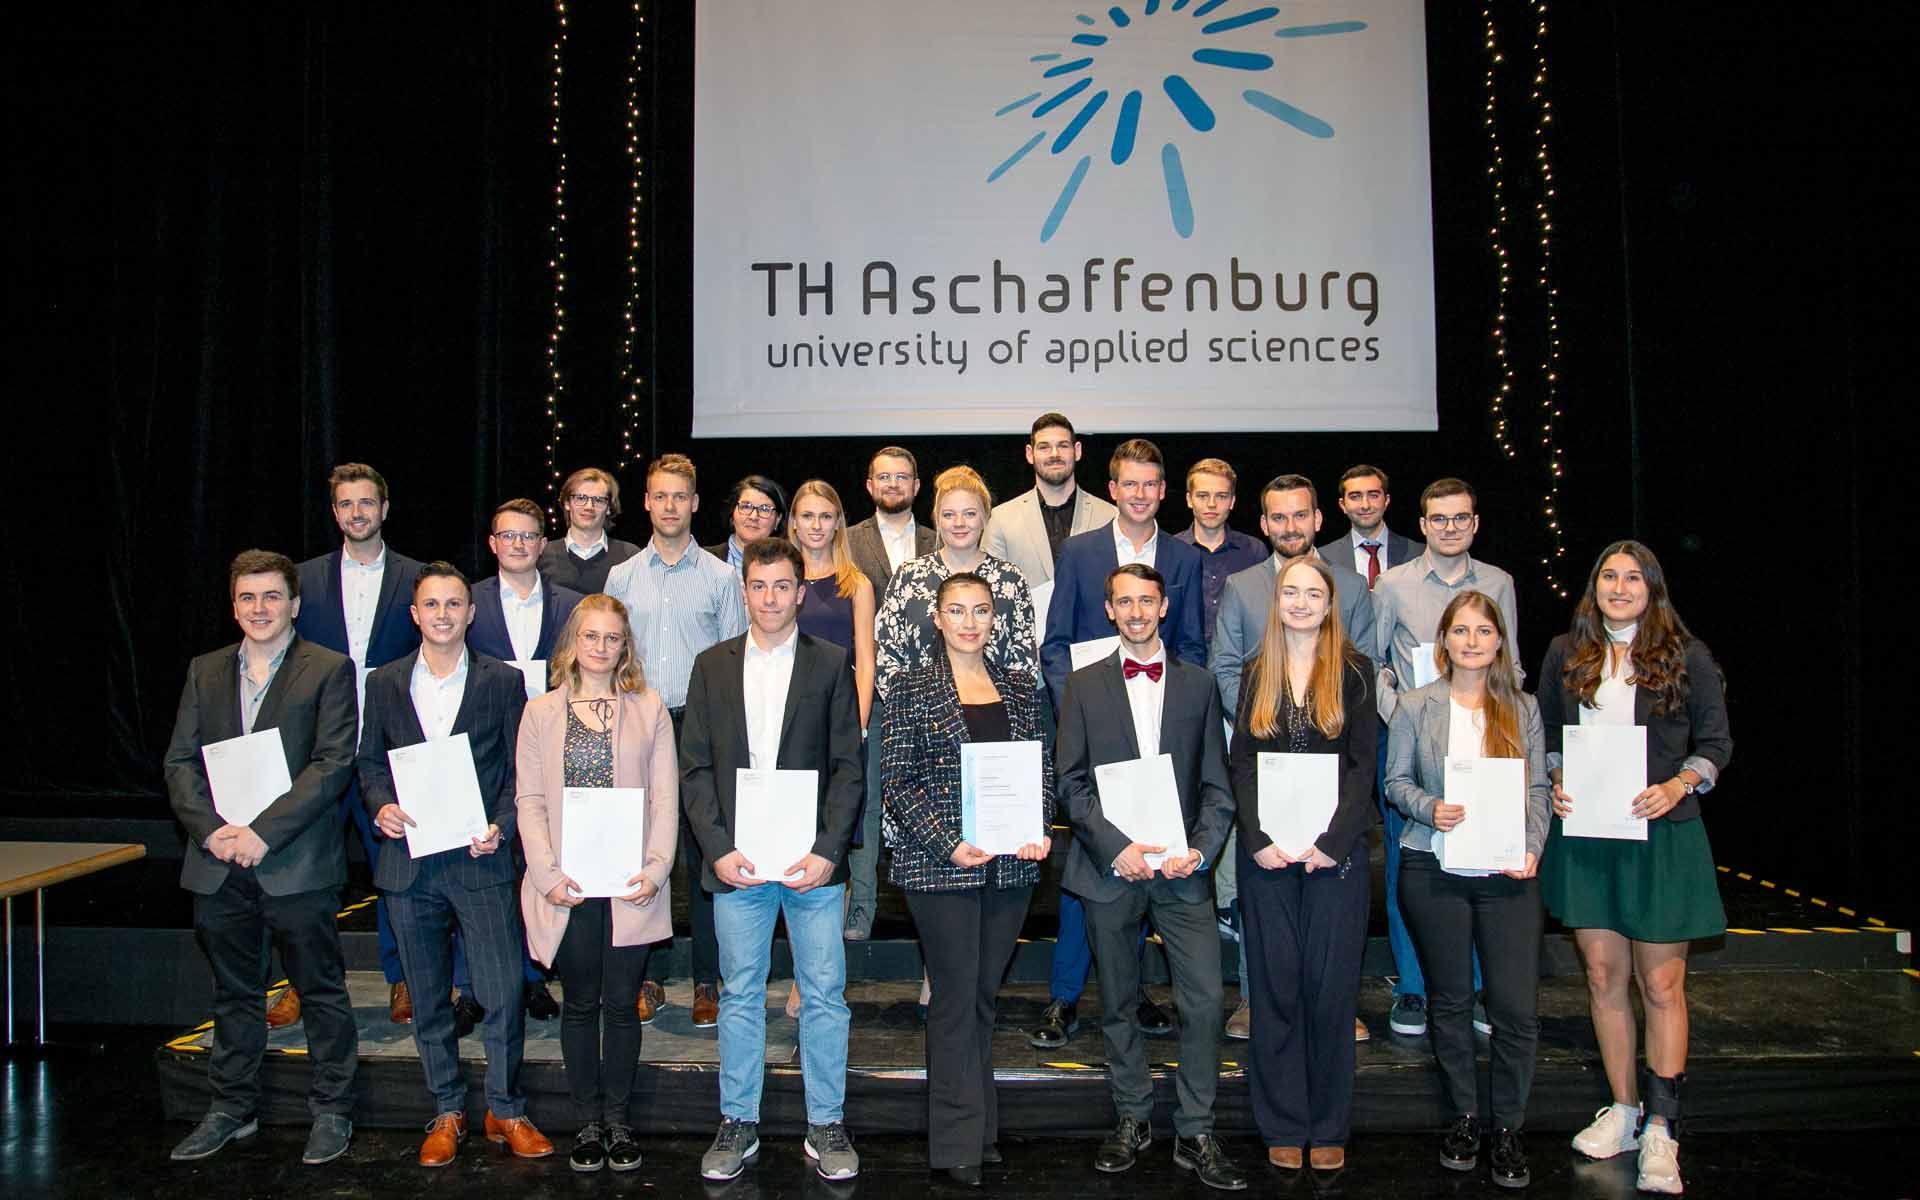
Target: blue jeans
{"points": [[743, 922], [1073, 953], [1406, 961]]}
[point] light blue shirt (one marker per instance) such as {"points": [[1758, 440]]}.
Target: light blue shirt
{"points": [[677, 610]]}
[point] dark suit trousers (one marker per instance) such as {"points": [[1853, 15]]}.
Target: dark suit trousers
{"points": [[1451, 916], [1191, 935], [1305, 935], [599, 982], [424, 919], [967, 938], [705, 946], [233, 927]]}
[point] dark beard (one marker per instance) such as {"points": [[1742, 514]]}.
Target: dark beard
{"points": [[894, 510]]}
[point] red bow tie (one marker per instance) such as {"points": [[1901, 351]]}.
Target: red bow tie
{"points": [[1151, 670]]}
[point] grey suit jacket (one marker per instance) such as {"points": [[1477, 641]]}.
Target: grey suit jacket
{"points": [[312, 703], [1018, 533], [1416, 771], [1096, 727], [870, 553], [1243, 620], [1398, 550]]}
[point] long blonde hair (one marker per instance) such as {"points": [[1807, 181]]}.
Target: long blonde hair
{"points": [[1330, 650], [1502, 705], [563, 669], [846, 576]]}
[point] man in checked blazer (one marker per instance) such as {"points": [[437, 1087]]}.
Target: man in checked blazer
{"points": [[444, 690], [280, 873]]}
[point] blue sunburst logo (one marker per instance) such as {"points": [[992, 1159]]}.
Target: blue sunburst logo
{"points": [[1068, 76]]}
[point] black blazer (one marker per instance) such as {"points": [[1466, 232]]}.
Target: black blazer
{"points": [[1701, 730], [583, 575], [488, 633], [311, 702], [1357, 746], [922, 731], [323, 616], [820, 731], [490, 717], [1096, 727]]}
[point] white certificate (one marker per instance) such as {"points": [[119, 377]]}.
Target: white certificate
{"points": [[1141, 799], [1083, 653], [1605, 768], [603, 838], [1042, 594], [437, 787], [1000, 795], [775, 819], [245, 774], [1424, 672], [534, 671], [1297, 796], [1493, 834]]}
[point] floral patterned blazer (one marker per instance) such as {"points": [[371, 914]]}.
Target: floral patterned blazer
{"points": [[903, 633]]}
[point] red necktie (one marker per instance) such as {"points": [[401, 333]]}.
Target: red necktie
{"points": [[1373, 561], [1152, 671]]}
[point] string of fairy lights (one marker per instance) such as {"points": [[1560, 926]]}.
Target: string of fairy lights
{"points": [[1550, 363], [557, 232], [630, 379], [1496, 171]]}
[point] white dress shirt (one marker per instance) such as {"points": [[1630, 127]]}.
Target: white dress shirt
{"points": [[897, 537], [588, 549], [1613, 698], [359, 596], [1146, 698], [436, 701], [523, 618], [1359, 542], [1124, 551], [765, 678]]}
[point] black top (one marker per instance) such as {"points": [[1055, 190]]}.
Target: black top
{"points": [[583, 575], [1058, 518], [987, 722], [1357, 747]]}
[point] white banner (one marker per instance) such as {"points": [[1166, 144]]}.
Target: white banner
{"points": [[946, 216]]}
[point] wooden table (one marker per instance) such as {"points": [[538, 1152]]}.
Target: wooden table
{"points": [[35, 867]]}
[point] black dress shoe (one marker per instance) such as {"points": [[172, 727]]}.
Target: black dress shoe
{"points": [[1058, 1024], [539, 1002], [1203, 1155], [1509, 1159], [467, 1015], [1123, 1145], [991, 1155], [1154, 1021], [967, 1176], [1460, 1145]]}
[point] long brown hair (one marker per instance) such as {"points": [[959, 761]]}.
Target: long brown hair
{"points": [[1269, 670], [564, 667], [1659, 650], [846, 576], [1502, 707]]}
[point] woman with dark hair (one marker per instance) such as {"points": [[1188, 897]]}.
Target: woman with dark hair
{"points": [[1475, 709], [1307, 692], [756, 508], [968, 904], [1634, 906]]}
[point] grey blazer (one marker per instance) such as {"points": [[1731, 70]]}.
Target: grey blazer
{"points": [[1416, 771], [1018, 533], [1242, 621], [870, 553]]}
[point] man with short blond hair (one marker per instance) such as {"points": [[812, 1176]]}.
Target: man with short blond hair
{"points": [[1224, 550]]}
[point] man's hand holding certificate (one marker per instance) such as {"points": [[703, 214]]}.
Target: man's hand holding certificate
{"points": [[439, 796], [775, 821], [1140, 798]]}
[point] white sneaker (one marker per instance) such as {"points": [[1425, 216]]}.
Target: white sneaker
{"points": [[1659, 1162], [1611, 1132]]}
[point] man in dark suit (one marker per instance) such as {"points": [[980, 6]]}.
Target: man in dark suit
{"points": [[1139, 703], [356, 604], [590, 498], [278, 874], [775, 699], [517, 613], [1369, 547], [879, 545], [443, 691]]}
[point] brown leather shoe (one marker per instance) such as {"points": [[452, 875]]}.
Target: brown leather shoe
{"points": [[443, 1139], [1327, 1158], [285, 1009], [1360, 1031], [706, 1006], [1287, 1158], [518, 1135], [1240, 1024], [400, 1004], [653, 998]]}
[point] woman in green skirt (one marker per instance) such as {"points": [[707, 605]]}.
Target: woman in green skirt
{"points": [[1635, 905]]}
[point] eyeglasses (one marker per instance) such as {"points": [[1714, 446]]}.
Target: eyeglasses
{"points": [[901, 478], [519, 537], [612, 641], [589, 501], [758, 510], [958, 612], [1460, 521]]}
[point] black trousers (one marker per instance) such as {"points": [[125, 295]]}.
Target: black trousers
{"points": [[1190, 934], [967, 938], [599, 1026], [233, 927], [1451, 916], [1305, 935], [703, 944]]}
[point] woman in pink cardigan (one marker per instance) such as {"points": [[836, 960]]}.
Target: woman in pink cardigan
{"points": [[600, 727]]}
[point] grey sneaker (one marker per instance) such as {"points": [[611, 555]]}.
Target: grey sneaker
{"points": [[211, 1136], [1409, 1015], [859, 925], [831, 1149], [1480, 1022], [328, 1140], [734, 1146]]}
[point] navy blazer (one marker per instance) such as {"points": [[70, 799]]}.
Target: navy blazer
{"points": [[488, 633], [1398, 549], [1078, 611], [490, 717], [323, 616]]}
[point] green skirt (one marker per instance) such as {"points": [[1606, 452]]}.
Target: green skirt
{"points": [[1661, 890]]}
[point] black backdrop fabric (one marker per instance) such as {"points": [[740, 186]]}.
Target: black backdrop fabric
{"points": [[249, 241]]}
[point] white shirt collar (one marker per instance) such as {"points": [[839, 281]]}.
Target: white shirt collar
{"points": [[1123, 546], [349, 563], [590, 549], [509, 596], [783, 650]]}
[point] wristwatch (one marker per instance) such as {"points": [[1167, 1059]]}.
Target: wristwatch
{"points": [[1688, 787]]}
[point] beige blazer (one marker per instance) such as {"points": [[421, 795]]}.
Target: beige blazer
{"points": [[643, 757], [1017, 533]]}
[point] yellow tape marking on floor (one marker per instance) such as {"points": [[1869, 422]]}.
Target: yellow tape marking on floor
{"points": [[1767, 883], [1746, 876], [1723, 870], [1845, 910], [299, 1050], [1878, 929], [1746, 930], [1818, 900], [1786, 929], [1916, 975], [1067, 1066], [1790, 892], [1875, 921], [1834, 929]]}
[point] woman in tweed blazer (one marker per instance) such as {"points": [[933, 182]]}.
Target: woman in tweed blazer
{"points": [[969, 905]]}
